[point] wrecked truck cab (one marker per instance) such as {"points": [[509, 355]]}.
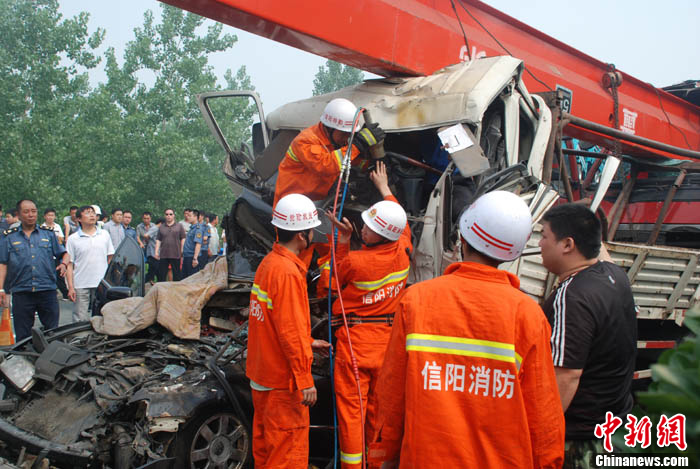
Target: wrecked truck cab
{"points": [[507, 127]]}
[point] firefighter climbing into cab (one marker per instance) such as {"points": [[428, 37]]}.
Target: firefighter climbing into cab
{"points": [[371, 281], [280, 343], [314, 158]]}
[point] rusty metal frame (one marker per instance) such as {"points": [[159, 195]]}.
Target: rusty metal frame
{"points": [[620, 205], [666, 206]]}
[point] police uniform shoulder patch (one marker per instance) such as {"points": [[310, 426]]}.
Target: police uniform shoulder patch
{"points": [[10, 231], [45, 229]]}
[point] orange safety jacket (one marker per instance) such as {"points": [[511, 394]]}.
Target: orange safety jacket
{"points": [[372, 279], [311, 165], [279, 324], [468, 379]]}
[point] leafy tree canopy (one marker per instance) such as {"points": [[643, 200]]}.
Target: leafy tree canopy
{"points": [[333, 76], [136, 141]]}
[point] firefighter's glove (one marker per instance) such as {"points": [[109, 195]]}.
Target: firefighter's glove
{"points": [[369, 135]]}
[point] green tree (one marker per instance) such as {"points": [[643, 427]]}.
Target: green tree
{"points": [[138, 140], [333, 76], [42, 91], [166, 156]]}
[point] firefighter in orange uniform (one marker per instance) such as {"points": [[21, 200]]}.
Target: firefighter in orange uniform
{"points": [[468, 379], [314, 158], [280, 343], [372, 279]]}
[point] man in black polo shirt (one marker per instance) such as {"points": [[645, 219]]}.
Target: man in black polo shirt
{"points": [[594, 328], [169, 242]]}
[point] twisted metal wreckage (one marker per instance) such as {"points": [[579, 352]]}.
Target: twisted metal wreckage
{"points": [[76, 397], [95, 399]]}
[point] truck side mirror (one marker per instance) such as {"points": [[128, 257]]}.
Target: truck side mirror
{"points": [[258, 140], [118, 293]]}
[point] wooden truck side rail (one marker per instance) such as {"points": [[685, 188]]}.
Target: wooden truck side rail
{"points": [[665, 284]]}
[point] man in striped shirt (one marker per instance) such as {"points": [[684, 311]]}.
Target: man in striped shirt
{"points": [[594, 329]]}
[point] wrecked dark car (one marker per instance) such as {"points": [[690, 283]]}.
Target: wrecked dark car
{"points": [[78, 398]]}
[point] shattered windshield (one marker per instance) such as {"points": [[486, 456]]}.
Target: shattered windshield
{"points": [[126, 268]]}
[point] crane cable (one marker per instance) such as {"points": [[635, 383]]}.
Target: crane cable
{"points": [[337, 213]]}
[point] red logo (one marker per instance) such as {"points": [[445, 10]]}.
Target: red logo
{"points": [[605, 430], [669, 431], [638, 431]]}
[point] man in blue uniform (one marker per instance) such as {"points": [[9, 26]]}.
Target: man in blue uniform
{"points": [[126, 223], [203, 256], [197, 239], [27, 261]]}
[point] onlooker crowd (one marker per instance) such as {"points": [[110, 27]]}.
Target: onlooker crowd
{"points": [[37, 259]]}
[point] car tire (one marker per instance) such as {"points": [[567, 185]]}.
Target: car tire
{"points": [[216, 438]]}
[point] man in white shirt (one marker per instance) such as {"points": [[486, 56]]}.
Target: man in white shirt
{"points": [[213, 235], [12, 218], [50, 224], [70, 223], [115, 228], [90, 250], [185, 224]]}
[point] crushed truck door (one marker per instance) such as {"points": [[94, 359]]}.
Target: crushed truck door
{"points": [[228, 114]]}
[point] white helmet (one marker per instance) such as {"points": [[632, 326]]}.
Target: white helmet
{"points": [[339, 114], [97, 210], [498, 225], [295, 212], [386, 218]]}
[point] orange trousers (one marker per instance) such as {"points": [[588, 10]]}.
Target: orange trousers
{"points": [[369, 358], [280, 430]]}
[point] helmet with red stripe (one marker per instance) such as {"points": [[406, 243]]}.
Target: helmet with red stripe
{"points": [[295, 212], [339, 114], [498, 224], [386, 218]]}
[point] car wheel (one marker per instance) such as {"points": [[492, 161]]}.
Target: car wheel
{"points": [[215, 440]]}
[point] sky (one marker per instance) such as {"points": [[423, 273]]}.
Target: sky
{"points": [[656, 45]]}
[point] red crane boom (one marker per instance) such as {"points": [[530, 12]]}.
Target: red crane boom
{"points": [[418, 37]]}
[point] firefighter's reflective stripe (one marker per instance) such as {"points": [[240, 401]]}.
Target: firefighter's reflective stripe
{"points": [[261, 295], [392, 277], [369, 136], [463, 346], [326, 266], [351, 458], [259, 387], [290, 153], [339, 157]]}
